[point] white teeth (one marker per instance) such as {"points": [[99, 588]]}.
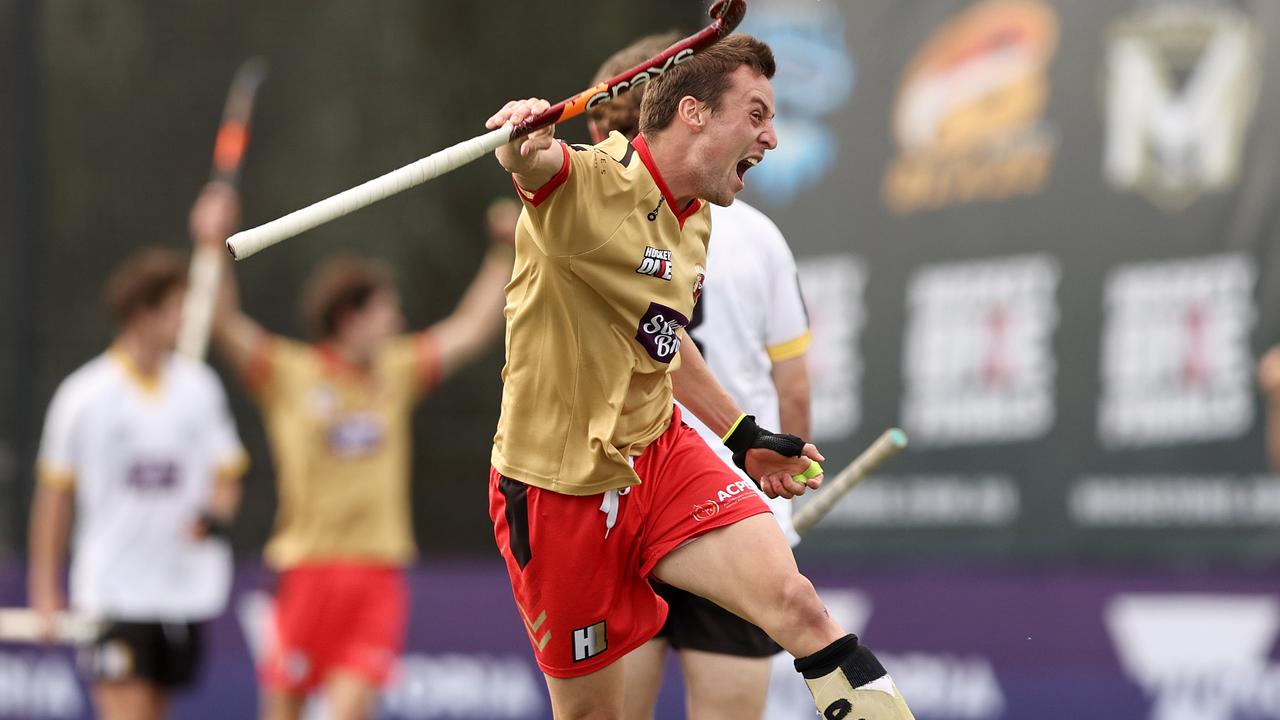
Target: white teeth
{"points": [[752, 162]]}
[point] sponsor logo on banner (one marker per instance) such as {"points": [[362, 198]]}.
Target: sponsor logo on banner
{"points": [[978, 363], [459, 686], [815, 78], [40, 685], [941, 685], [1205, 657], [969, 117], [1162, 501], [929, 501], [1181, 85], [1176, 360], [833, 288]]}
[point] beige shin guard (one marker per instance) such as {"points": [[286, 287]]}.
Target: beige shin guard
{"points": [[838, 700]]}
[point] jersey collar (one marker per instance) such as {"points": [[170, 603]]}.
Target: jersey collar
{"points": [[642, 149], [336, 365], [148, 384]]}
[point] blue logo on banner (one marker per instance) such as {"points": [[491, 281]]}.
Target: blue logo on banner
{"points": [[815, 77]]}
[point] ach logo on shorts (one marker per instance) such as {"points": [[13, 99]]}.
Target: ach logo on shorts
{"points": [[589, 641], [659, 332]]}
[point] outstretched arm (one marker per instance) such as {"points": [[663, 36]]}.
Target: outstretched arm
{"points": [[214, 217], [535, 158], [478, 319], [697, 389]]}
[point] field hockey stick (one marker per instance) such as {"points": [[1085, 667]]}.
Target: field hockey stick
{"points": [[24, 625], [228, 157], [726, 15], [885, 447]]}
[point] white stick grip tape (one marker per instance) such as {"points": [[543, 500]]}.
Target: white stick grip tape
{"points": [[197, 308], [23, 625], [248, 242], [886, 446]]}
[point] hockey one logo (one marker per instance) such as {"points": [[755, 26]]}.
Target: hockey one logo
{"points": [[659, 332], [699, 279], [639, 78], [656, 263]]}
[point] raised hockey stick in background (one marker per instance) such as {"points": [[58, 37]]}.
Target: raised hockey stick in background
{"points": [[886, 446], [23, 625], [228, 156], [726, 15]]}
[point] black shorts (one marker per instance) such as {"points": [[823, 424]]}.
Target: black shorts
{"points": [[695, 623], [164, 654]]}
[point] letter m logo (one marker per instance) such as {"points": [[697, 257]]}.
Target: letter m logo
{"points": [[1180, 91], [589, 642]]}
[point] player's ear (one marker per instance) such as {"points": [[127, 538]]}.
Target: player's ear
{"points": [[597, 136], [692, 112]]}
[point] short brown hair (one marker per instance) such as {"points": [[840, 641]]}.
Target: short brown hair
{"points": [[623, 112], [341, 285], [704, 76], [143, 281]]}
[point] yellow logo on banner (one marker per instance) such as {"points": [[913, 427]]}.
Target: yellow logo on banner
{"points": [[968, 119]]}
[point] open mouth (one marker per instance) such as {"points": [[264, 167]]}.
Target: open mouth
{"points": [[745, 165]]}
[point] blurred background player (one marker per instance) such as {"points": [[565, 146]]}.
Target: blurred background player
{"points": [[751, 327], [1269, 383], [337, 413], [140, 447]]}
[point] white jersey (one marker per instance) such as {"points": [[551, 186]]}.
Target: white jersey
{"points": [[749, 317], [143, 457]]}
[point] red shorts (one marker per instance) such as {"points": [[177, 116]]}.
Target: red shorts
{"points": [[585, 598], [335, 616]]}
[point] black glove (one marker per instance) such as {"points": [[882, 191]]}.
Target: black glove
{"points": [[213, 527], [746, 435]]}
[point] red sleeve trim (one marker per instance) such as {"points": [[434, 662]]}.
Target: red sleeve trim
{"points": [[257, 372], [429, 366], [538, 196]]}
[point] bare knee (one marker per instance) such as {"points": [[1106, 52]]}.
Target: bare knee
{"points": [[798, 602], [794, 616]]}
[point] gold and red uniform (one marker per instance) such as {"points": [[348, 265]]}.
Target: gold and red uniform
{"points": [[341, 441], [606, 276]]}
